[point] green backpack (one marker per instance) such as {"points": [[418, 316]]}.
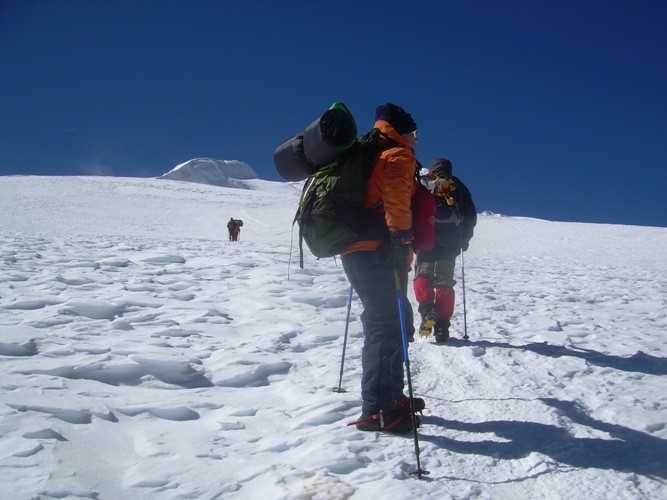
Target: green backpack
{"points": [[331, 215]]}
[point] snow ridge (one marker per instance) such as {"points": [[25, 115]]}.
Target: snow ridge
{"points": [[224, 173]]}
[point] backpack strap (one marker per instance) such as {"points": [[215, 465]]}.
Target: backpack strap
{"points": [[296, 218]]}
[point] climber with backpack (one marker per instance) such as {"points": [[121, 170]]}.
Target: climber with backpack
{"points": [[356, 203], [371, 266], [234, 228], [455, 220]]}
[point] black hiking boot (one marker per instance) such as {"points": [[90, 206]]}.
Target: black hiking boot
{"points": [[403, 405], [442, 331], [429, 318]]}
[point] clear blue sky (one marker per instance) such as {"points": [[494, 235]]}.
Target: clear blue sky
{"points": [[549, 109]]}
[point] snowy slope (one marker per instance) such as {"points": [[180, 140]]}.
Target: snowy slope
{"points": [[144, 356]]}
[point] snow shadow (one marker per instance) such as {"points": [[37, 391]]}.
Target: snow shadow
{"points": [[627, 450], [181, 373], [639, 362], [26, 349]]}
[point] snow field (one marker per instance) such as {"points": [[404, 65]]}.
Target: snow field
{"points": [[144, 356]]}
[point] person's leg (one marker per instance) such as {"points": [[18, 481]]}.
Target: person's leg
{"points": [[382, 355], [424, 290], [445, 296], [424, 276]]}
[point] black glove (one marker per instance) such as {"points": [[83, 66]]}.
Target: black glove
{"points": [[400, 248], [464, 245]]}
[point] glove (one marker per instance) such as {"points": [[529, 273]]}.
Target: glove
{"points": [[400, 248], [464, 245]]}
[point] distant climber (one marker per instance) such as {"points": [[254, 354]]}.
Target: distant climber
{"points": [[234, 228]]}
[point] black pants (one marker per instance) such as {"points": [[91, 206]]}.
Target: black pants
{"points": [[372, 277]]}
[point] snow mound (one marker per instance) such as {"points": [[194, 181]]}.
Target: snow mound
{"points": [[225, 173]]}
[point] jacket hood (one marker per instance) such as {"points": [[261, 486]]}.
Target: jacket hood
{"points": [[387, 128]]}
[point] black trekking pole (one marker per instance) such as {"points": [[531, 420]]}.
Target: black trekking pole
{"points": [[399, 293], [342, 361], [463, 287]]}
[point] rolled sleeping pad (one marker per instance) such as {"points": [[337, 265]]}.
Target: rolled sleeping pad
{"points": [[290, 160], [330, 135]]}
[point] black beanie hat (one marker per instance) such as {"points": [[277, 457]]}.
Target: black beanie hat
{"points": [[397, 118], [441, 167]]}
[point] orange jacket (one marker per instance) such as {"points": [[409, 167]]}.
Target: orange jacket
{"points": [[392, 181]]}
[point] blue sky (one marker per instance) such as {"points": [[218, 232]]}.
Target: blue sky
{"points": [[548, 109]]}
